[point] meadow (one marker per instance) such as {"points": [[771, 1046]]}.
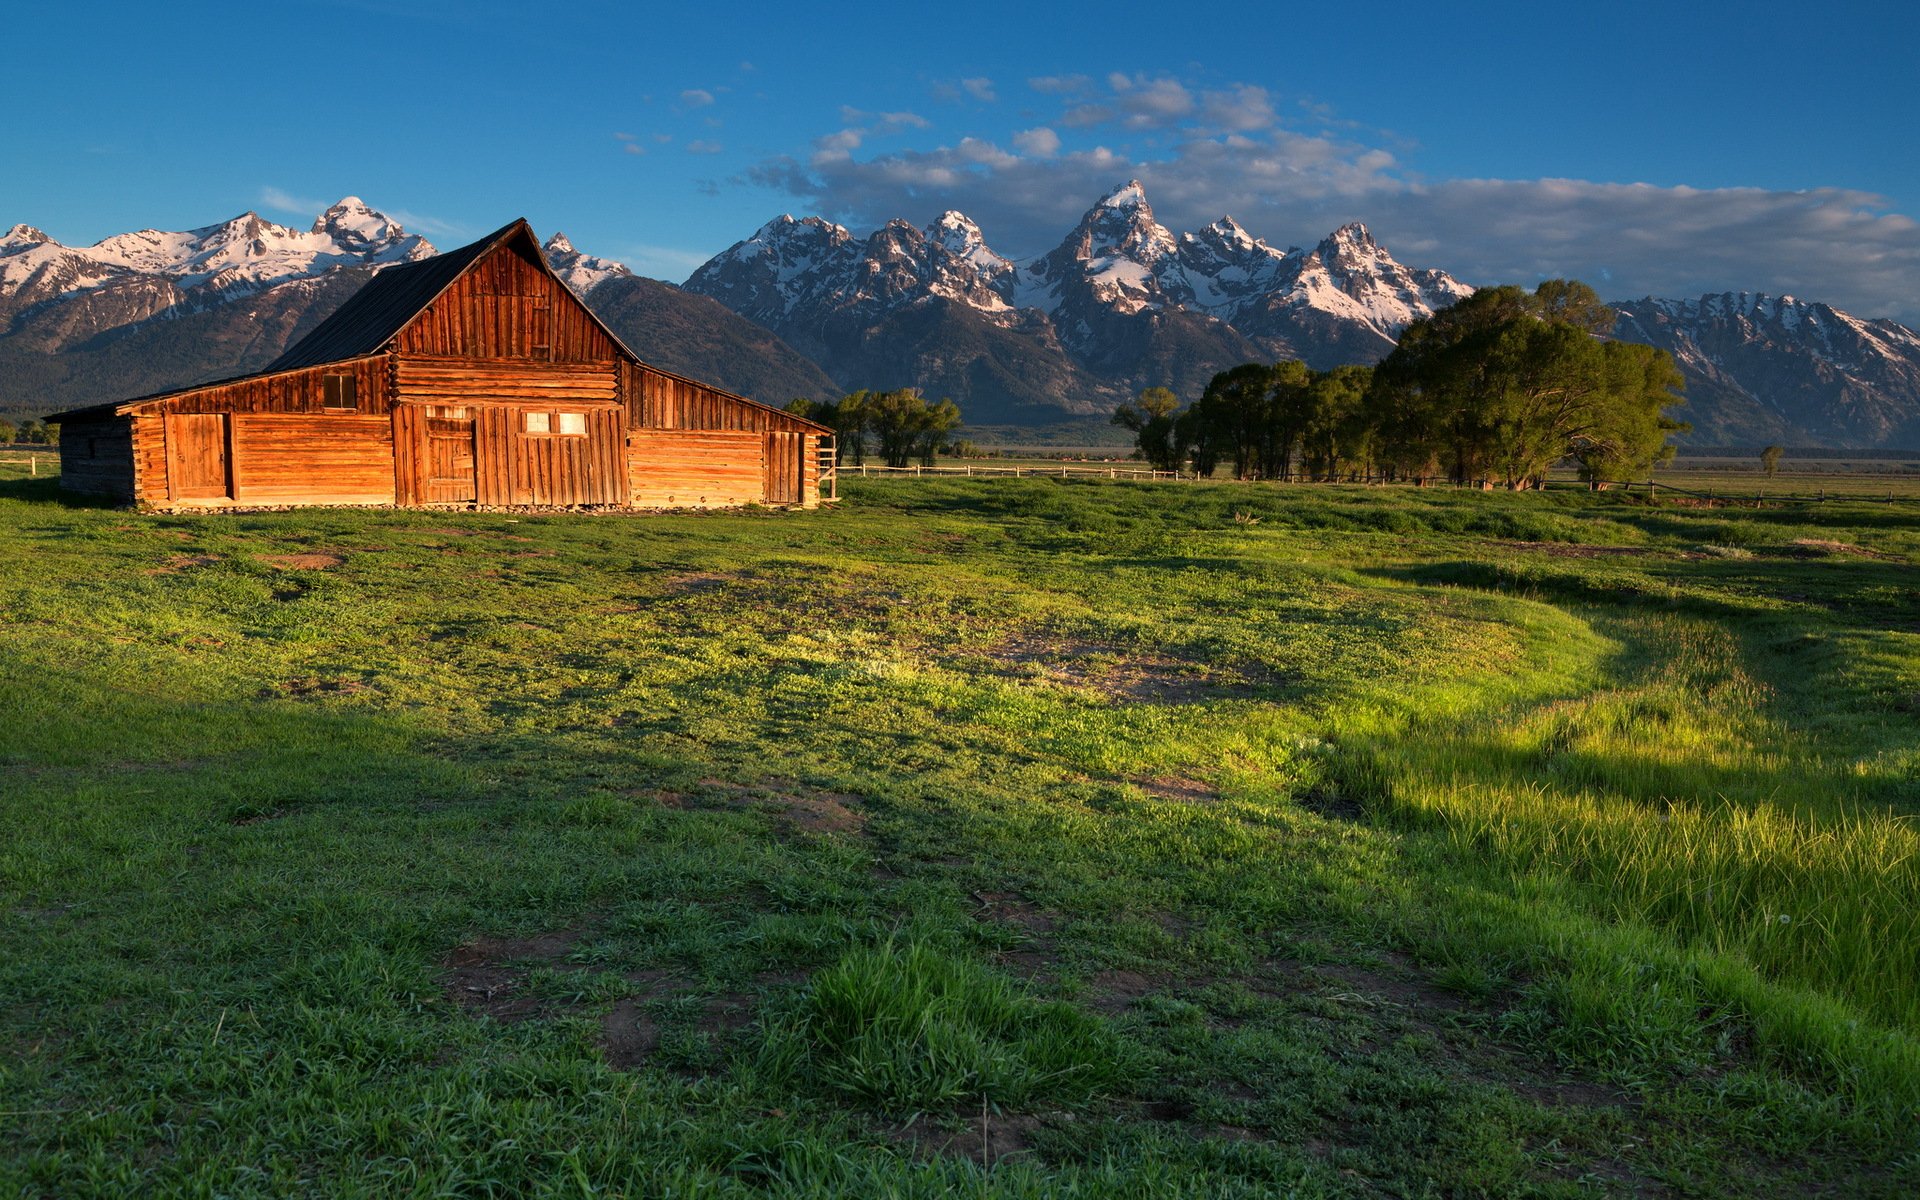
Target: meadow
{"points": [[985, 837]]}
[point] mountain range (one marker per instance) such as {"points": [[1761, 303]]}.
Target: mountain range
{"points": [[804, 307]]}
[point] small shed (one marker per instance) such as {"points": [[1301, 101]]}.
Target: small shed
{"points": [[475, 378]]}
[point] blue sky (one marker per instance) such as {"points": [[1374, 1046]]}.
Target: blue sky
{"points": [[1648, 148]]}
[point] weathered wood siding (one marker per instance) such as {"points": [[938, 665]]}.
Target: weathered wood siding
{"points": [[682, 448], [501, 390], [696, 468], [658, 400], [461, 432], [96, 457], [507, 307], [335, 458], [300, 391]]}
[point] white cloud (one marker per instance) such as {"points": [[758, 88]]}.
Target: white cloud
{"points": [[422, 223], [1041, 143], [980, 88], [1831, 244], [695, 98], [279, 201], [1059, 85], [702, 146]]}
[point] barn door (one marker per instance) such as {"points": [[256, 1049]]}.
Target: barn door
{"points": [[784, 471], [450, 458], [198, 465]]}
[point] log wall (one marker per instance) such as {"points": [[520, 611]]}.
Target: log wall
{"points": [[96, 457]]}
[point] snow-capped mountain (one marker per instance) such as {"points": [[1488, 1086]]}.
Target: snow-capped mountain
{"points": [[247, 251], [1122, 301], [1766, 368]]}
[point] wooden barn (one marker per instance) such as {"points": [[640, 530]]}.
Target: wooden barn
{"points": [[473, 378]]}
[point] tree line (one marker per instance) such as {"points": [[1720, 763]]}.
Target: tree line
{"points": [[1500, 386], [902, 424], [30, 432]]}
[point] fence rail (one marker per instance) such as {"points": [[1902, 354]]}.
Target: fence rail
{"points": [[32, 460], [1651, 488]]}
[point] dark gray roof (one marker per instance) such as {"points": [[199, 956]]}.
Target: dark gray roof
{"points": [[395, 296]]}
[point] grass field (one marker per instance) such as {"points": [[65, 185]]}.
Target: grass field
{"points": [[1009, 838]]}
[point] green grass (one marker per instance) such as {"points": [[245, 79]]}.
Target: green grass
{"points": [[998, 837]]}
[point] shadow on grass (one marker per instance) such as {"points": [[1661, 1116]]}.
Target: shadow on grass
{"points": [[48, 491]]}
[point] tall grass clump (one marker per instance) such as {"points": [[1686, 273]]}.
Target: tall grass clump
{"points": [[906, 1028]]}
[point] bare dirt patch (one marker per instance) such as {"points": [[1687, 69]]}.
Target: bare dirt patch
{"points": [[179, 562], [986, 1138], [1399, 987], [628, 1033], [1116, 991], [1822, 548], [795, 808], [821, 812], [489, 975], [310, 561], [1127, 673], [1179, 790], [1011, 908]]}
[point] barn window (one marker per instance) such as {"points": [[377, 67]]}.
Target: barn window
{"points": [[538, 422], [339, 393], [571, 424]]}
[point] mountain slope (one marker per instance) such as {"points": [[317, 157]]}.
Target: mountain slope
{"points": [[1775, 369], [694, 336]]}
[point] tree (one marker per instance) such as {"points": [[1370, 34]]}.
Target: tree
{"points": [[1770, 459], [1339, 435], [940, 420], [1231, 416], [906, 425], [1505, 384], [1289, 412], [1155, 427], [7, 432]]}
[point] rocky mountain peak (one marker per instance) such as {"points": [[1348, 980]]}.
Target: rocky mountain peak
{"points": [[24, 235], [1131, 194], [1353, 233], [581, 272]]}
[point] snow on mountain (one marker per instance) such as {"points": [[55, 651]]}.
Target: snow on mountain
{"points": [[1765, 368], [581, 272], [247, 251], [1111, 258]]}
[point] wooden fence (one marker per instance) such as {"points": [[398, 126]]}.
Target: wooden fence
{"points": [[1651, 488]]}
